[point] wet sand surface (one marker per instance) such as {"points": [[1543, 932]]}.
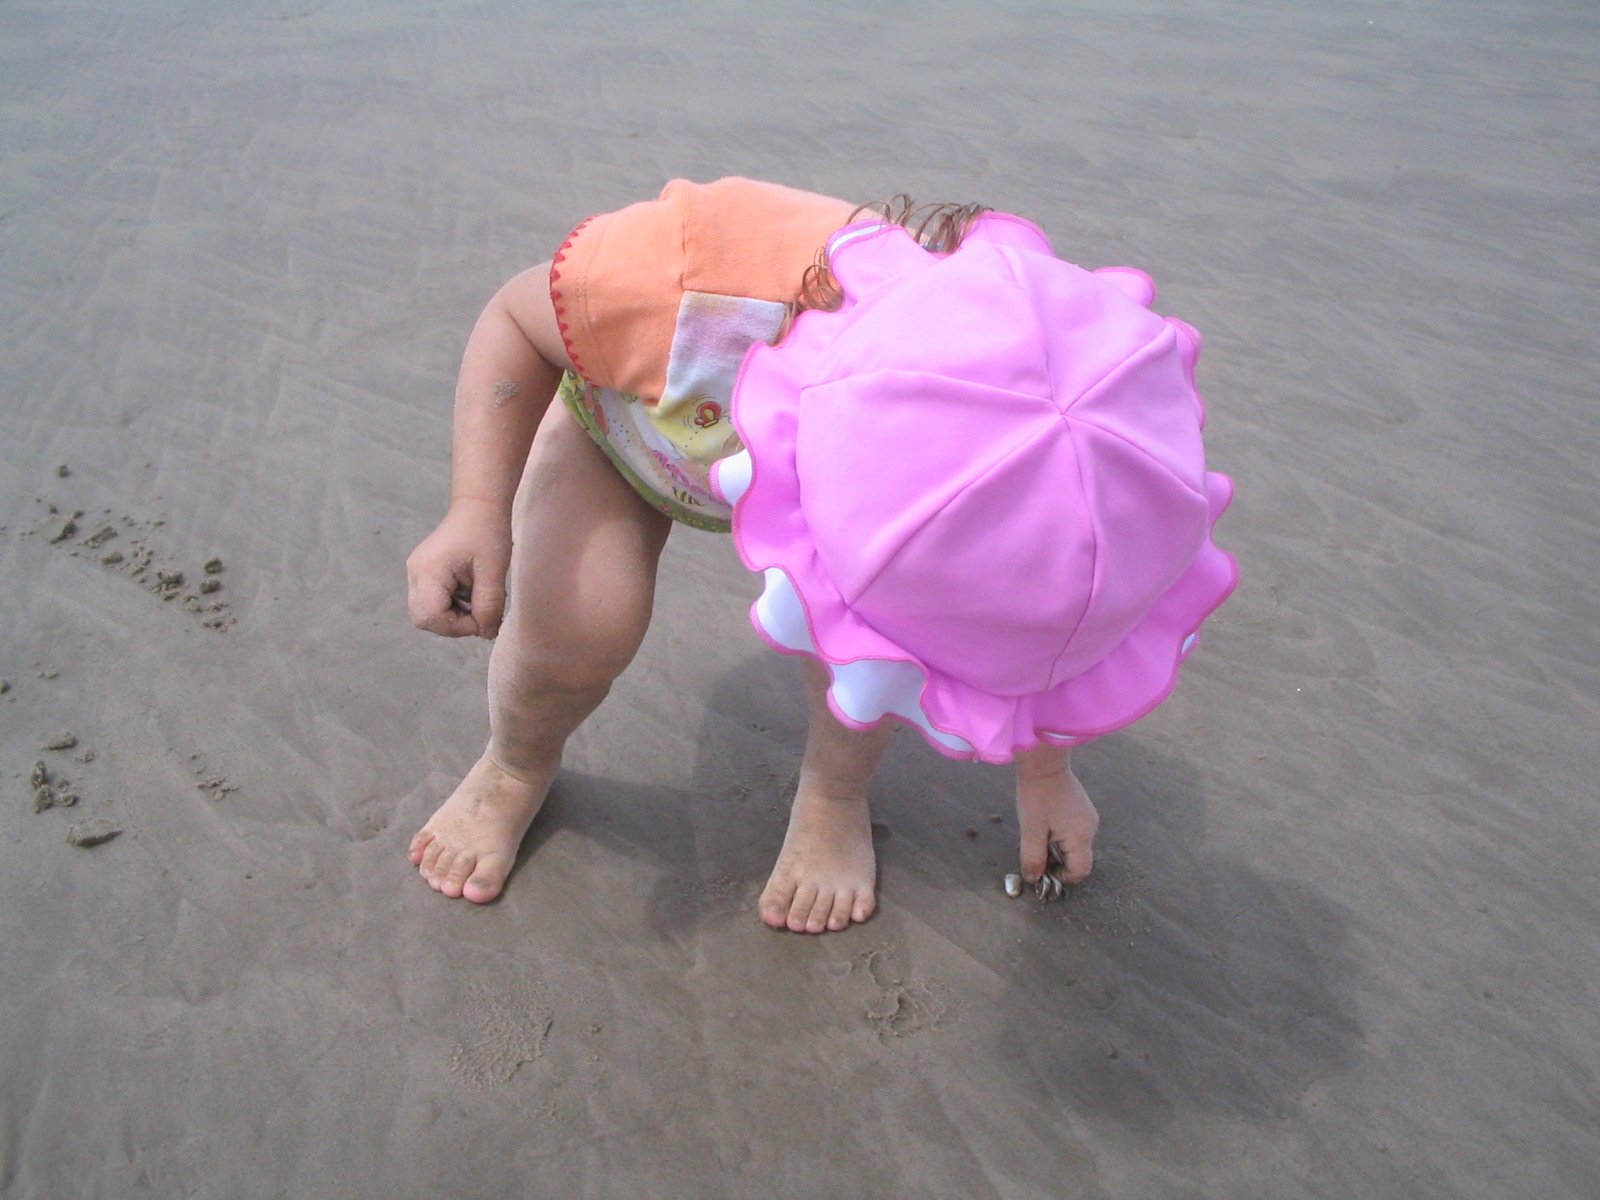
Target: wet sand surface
{"points": [[1344, 932]]}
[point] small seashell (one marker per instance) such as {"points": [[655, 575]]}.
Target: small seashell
{"points": [[1049, 888], [1013, 885]]}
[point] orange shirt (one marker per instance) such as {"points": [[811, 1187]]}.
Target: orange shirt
{"points": [[619, 281]]}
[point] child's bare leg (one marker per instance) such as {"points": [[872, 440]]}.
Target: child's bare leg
{"points": [[581, 585], [826, 874], [1053, 807]]}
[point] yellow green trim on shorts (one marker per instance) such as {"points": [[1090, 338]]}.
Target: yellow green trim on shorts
{"points": [[574, 394]]}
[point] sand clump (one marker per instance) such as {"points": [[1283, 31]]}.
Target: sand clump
{"points": [[50, 790], [157, 574]]}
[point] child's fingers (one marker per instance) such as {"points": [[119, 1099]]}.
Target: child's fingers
{"points": [[431, 609], [1043, 851], [1033, 847], [488, 605], [1076, 862]]}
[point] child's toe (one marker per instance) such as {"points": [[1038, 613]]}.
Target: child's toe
{"points": [[419, 844], [455, 876], [821, 909], [488, 878], [800, 907], [440, 870], [430, 859], [776, 898]]}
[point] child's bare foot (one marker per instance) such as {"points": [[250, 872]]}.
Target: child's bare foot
{"points": [[826, 872], [468, 847], [1053, 807]]}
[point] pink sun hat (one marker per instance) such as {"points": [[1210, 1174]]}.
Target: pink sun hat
{"points": [[977, 491]]}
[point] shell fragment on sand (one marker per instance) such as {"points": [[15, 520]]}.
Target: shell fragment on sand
{"points": [[92, 832]]}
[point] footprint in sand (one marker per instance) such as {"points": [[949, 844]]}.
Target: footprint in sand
{"points": [[509, 1028], [904, 1006]]}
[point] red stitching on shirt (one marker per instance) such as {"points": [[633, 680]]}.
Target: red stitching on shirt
{"points": [[555, 298]]}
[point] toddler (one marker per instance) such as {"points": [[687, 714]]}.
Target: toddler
{"points": [[970, 475]]}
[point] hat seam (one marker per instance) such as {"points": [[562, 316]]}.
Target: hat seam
{"points": [[999, 252], [1072, 433], [1071, 419], [987, 471], [1094, 584], [1085, 419], [1094, 560]]}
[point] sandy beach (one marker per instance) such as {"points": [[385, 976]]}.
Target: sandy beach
{"points": [[1344, 932]]}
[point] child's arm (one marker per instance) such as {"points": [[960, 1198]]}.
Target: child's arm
{"points": [[509, 373]]}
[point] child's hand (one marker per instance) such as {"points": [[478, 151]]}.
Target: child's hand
{"points": [[1054, 810], [456, 578]]}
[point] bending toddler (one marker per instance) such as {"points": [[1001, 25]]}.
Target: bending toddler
{"points": [[969, 474]]}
